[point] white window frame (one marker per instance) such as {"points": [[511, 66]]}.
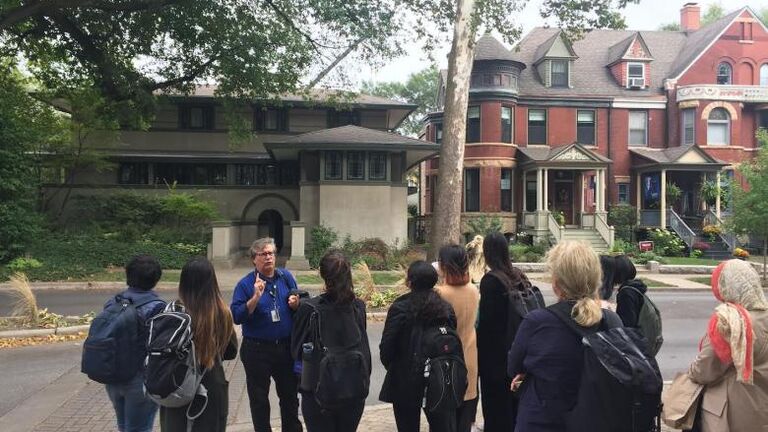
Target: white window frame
{"points": [[642, 67], [692, 112], [764, 74], [730, 73], [567, 73], [619, 186], [727, 124], [629, 130], [594, 127]]}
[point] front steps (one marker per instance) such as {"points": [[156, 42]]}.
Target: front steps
{"points": [[587, 235]]}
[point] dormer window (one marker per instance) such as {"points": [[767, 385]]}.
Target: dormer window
{"points": [[724, 74], [559, 73], [635, 75]]}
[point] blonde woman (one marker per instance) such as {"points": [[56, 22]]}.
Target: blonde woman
{"points": [[464, 297], [733, 360], [214, 335], [477, 267], [546, 355]]}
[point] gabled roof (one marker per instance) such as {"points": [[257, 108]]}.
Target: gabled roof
{"points": [[589, 74], [489, 48], [683, 155], [698, 42], [543, 51], [568, 154], [621, 51]]}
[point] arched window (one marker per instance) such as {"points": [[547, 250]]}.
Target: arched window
{"points": [[719, 127], [764, 75], [724, 73]]}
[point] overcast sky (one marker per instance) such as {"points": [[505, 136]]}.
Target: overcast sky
{"points": [[648, 15]]}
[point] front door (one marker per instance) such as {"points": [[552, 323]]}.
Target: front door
{"points": [[564, 200]]}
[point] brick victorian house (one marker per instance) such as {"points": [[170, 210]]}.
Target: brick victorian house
{"points": [[555, 128]]}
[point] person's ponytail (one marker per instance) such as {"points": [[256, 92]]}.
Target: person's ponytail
{"points": [[587, 312]]}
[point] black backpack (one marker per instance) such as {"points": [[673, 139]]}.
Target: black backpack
{"points": [[114, 349], [337, 374], [649, 322], [521, 299], [620, 387], [438, 358]]}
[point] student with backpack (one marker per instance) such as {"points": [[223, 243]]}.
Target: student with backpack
{"points": [[506, 296], [329, 337], [214, 339], [559, 356], [464, 297], [405, 350], [114, 351], [633, 305]]}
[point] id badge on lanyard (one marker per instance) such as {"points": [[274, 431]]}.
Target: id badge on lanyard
{"points": [[274, 312]]}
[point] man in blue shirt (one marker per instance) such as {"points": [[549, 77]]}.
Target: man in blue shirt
{"points": [[263, 305]]}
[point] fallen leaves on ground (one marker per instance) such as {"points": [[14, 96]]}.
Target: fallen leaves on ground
{"points": [[39, 340]]}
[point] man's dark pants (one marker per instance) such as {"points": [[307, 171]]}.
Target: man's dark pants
{"points": [[261, 361]]}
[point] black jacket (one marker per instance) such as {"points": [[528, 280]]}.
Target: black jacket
{"points": [[629, 302], [214, 417], [335, 331], [395, 348]]}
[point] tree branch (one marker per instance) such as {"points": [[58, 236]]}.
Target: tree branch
{"points": [[181, 79], [290, 22], [333, 64]]}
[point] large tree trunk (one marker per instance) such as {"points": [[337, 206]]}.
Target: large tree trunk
{"points": [[765, 258], [446, 217]]}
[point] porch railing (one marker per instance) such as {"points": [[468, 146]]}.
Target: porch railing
{"points": [[554, 228], [606, 231], [681, 228], [728, 238]]}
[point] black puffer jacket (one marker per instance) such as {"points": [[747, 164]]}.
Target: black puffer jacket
{"points": [[629, 302]]}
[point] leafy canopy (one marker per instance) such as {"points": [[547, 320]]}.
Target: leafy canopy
{"points": [[751, 205]]}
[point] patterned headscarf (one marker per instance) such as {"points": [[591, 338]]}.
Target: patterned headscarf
{"points": [[737, 285]]}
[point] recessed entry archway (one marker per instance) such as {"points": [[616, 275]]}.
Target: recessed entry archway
{"points": [[270, 224], [267, 215]]}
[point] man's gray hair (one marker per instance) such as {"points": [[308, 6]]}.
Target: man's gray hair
{"points": [[260, 244]]}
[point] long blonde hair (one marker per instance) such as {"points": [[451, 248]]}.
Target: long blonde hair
{"points": [[575, 269], [212, 325]]}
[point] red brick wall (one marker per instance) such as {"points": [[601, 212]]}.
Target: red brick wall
{"points": [[561, 126], [490, 122], [521, 126], [490, 182], [619, 72]]}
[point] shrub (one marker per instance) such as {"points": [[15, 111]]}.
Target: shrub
{"points": [[712, 231], [701, 246], [666, 243], [483, 225], [696, 253], [644, 257], [623, 217], [22, 265], [382, 299], [625, 247], [673, 193], [559, 217], [527, 253], [322, 238], [740, 253]]}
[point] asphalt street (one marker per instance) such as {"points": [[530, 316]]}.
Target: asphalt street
{"points": [[27, 370]]}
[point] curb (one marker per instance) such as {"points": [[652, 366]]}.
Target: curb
{"points": [[44, 332]]}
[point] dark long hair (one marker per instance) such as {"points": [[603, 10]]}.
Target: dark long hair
{"points": [[428, 306], [496, 251], [212, 325], [337, 274], [617, 270], [454, 264]]}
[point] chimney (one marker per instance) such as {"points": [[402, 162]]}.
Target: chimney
{"points": [[690, 17]]}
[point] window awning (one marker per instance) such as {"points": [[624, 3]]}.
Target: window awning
{"points": [[574, 156]]}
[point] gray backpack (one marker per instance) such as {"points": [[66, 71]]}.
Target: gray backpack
{"points": [[172, 375], [649, 322]]}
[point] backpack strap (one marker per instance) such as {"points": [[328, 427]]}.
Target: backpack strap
{"points": [[562, 310], [319, 311]]}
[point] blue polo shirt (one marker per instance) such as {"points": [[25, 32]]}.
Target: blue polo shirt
{"points": [[259, 324]]}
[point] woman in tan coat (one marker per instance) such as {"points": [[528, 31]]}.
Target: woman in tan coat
{"points": [[733, 360], [464, 297]]}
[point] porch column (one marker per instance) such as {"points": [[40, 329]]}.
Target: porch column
{"points": [[546, 189], [663, 198], [603, 189], [581, 194], [638, 194], [297, 261], [717, 198], [598, 190], [539, 190], [525, 193]]}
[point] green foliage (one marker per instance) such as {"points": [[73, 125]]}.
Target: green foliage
{"points": [[78, 257], [644, 257], [666, 243], [625, 247], [24, 123], [559, 217], [714, 12], [696, 253], [23, 265], [413, 210], [174, 217], [623, 217], [673, 193], [519, 252], [673, 26], [382, 299], [483, 225], [708, 191], [322, 238], [419, 89]]}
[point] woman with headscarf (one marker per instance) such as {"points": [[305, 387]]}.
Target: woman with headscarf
{"points": [[733, 358]]}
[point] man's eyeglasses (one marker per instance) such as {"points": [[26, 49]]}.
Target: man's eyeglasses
{"points": [[265, 254]]}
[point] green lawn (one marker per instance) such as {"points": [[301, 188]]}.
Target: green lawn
{"points": [[706, 280], [379, 278], [119, 276], [691, 261]]}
